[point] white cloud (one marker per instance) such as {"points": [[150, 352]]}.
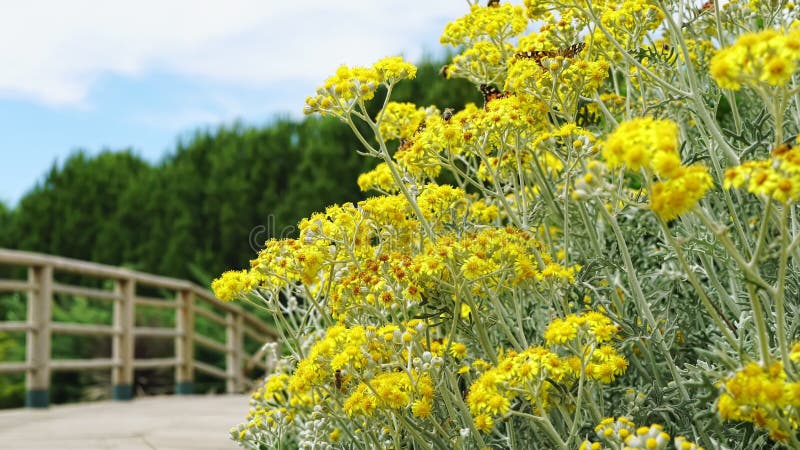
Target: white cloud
{"points": [[53, 51]]}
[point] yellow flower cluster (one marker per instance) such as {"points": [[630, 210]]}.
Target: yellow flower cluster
{"points": [[349, 359], [232, 284], [511, 112], [563, 141], [483, 212], [486, 24], [341, 92], [442, 204], [483, 60], [392, 391], [391, 270], [491, 394], [579, 335], [400, 120], [794, 353], [763, 396], [777, 178], [623, 433], [496, 138], [393, 69], [767, 58], [378, 179], [356, 371], [495, 257], [492, 258], [675, 196], [613, 102], [557, 80], [537, 9], [652, 145], [533, 372], [644, 143], [326, 240], [420, 156], [628, 22], [594, 325]]}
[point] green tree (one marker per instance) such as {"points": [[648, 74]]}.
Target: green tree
{"points": [[65, 214], [5, 224]]}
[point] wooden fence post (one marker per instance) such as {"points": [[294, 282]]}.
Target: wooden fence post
{"points": [[184, 343], [40, 298], [234, 324], [122, 351]]}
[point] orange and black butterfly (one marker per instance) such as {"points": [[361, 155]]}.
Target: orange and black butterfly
{"points": [[491, 93], [709, 5], [538, 55], [407, 142]]}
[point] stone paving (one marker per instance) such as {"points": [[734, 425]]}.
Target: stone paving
{"points": [[198, 422]]}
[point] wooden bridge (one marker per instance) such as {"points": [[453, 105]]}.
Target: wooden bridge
{"points": [[43, 277]]}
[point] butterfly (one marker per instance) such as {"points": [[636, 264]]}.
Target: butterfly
{"points": [[491, 93], [708, 6], [538, 55], [407, 142]]}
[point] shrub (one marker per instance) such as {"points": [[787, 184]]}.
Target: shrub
{"points": [[615, 261]]}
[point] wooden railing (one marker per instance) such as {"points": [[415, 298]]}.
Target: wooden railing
{"points": [[188, 300]]}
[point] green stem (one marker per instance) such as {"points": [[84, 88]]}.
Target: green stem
{"points": [[780, 299], [546, 426], [761, 327], [644, 308], [721, 233], [696, 96], [724, 326]]}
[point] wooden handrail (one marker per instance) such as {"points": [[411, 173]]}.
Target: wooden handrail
{"points": [[41, 287]]}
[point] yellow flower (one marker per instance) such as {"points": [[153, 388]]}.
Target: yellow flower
{"points": [[483, 422], [458, 350], [341, 92], [380, 178], [422, 408], [599, 328], [673, 197], [763, 396], [482, 212], [232, 284], [777, 178], [393, 69], [636, 144], [490, 24], [768, 58], [794, 354], [475, 267]]}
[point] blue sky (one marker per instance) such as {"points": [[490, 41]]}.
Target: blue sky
{"points": [[94, 74]]}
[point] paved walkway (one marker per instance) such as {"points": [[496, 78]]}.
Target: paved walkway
{"points": [[163, 423]]}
